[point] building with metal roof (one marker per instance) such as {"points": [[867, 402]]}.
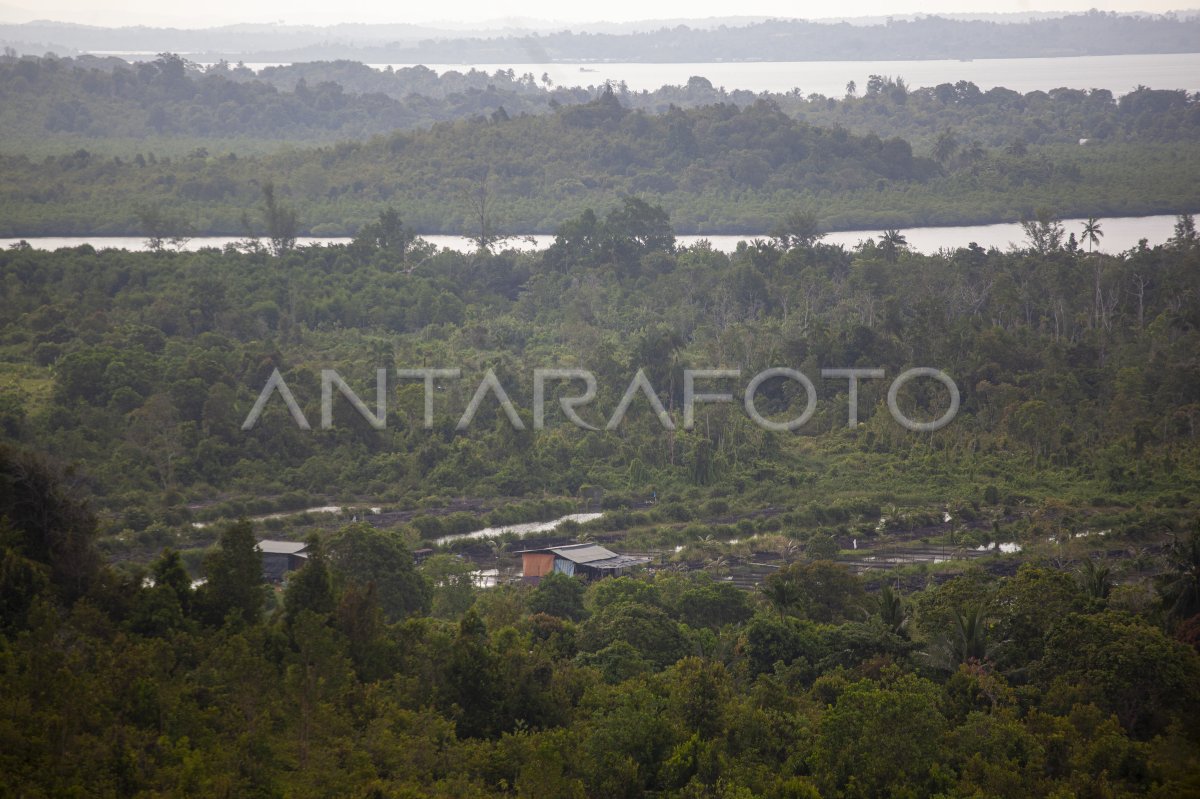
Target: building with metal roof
{"points": [[281, 557], [587, 560]]}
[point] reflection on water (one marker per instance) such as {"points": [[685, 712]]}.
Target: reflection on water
{"points": [[521, 529]]}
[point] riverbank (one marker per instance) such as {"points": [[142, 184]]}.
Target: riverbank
{"points": [[1120, 235]]}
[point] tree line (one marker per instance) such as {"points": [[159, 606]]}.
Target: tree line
{"points": [[365, 676]]}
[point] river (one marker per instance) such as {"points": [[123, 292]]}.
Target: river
{"points": [[1120, 234], [520, 529], [1117, 73]]}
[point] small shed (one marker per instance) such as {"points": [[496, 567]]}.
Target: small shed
{"points": [[281, 557], [588, 560]]}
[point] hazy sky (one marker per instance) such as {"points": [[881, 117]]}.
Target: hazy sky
{"points": [[321, 12]]}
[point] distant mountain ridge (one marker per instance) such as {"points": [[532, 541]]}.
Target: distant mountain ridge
{"points": [[951, 36]]}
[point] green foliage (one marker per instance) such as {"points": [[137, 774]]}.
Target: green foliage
{"points": [[647, 629], [361, 555], [43, 528], [1125, 666], [558, 595], [769, 641], [452, 584], [716, 161], [310, 590], [1078, 416], [708, 603], [1181, 585], [881, 738], [821, 590], [233, 587], [892, 609]]}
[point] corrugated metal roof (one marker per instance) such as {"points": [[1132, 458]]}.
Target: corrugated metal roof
{"points": [[618, 562], [583, 553], [591, 555], [281, 547]]}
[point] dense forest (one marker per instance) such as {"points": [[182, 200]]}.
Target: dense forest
{"points": [[716, 166], [87, 101], [1069, 668], [1008, 605], [143, 365]]}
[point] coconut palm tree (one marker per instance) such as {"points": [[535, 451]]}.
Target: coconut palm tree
{"points": [[782, 591], [892, 609], [1092, 232], [892, 242], [1095, 579], [971, 641], [966, 641], [1180, 586], [945, 146], [499, 548]]}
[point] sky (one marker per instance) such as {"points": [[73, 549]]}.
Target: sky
{"points": [[325, 12]]}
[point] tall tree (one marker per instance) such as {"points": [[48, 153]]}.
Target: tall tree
{"points": [[783, 591], [892, 609], [280, 220], [968, 639], [558, 595], [480, 200], [799, 229], [1184, 236], [1180, 585], [233, 577], [1095, 579], [1044, 231], [945, 146], [892, 242], [1092, 232], [360, 555], [310, 588], [46, 522]]}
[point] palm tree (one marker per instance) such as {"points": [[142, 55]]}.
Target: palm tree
{"points": [[967, 641], [971, 641], [892, 242], [1096, 579], [945, 145], [790, 551], [892, 610], [1092, 232], [716, 563], [1180, 586], [499, 547], [782, 591]]}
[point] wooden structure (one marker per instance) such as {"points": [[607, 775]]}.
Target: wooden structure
{"points": [[587, 560]]}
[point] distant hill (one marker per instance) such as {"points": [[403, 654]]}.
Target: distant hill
{"points": [[726, 39], [169, 105]]}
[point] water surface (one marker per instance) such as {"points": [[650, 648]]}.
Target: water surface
{"points": [[1117, 73], [1120, 234]]}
